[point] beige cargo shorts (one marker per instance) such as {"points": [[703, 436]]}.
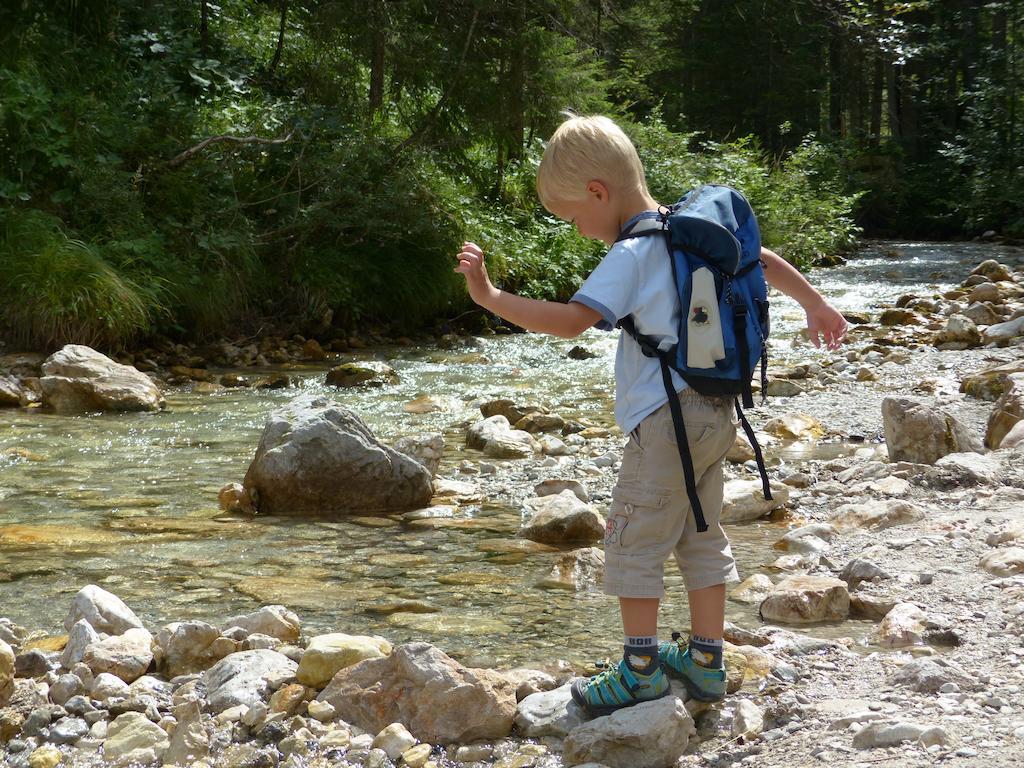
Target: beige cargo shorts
{"points": [[650, 516]]}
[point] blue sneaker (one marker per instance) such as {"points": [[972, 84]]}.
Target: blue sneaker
{"points": [[701, 683], [617, 687]]}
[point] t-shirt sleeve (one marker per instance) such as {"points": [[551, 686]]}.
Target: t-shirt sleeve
{"points": [[612, 287]]}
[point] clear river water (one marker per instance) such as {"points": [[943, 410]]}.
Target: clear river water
{"points": [[129, 502]]}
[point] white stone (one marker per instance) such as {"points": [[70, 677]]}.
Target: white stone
{"points": [[747, 719], [274, 620], [78, 379], [107, 686], [496, 438], [326, 654], [745, 501], [7, 660], [241, 678], [394, 740], [131, 738], [807, 599], [1004, 562], [891, 734], [106, 613], [902, 626], [127, 655], [550, 713], [81, 636], [876, 515]]}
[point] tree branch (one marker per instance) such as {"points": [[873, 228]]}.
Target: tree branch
{"points": [[191, 152]]}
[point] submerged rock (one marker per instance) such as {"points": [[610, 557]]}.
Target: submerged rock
{"points": [[368, 373], [316, 456], [78, 379]]}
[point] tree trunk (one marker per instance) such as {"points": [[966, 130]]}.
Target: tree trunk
{"points": [[378, 29], [892, 90], [877, 95], [204, 27], [515, 126], [280, 38], [835, 83]]}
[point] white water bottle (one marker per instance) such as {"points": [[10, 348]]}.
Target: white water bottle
{"points": [[704, 342]]}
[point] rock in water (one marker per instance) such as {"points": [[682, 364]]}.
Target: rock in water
{"points": [[744, 500], [78, 379], [914, 432], [562, 518], [316, 456], [436, 698], [650, 735]]}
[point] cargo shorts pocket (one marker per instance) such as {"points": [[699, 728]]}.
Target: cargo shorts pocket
{"points": [[635, 525]]}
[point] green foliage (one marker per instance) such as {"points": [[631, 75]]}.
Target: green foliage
{"points": [[799, 201], [56, 290], [357, 214]]}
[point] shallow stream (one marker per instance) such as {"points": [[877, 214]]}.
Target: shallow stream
{"points": [[129, 501]]}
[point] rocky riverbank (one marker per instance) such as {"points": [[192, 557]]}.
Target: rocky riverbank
{"points": [[908, 551]]}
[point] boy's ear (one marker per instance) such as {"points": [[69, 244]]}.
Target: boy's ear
{"points": [[598, 190]]}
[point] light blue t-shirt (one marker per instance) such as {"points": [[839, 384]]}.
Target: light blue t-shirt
{"points": [[635, 278]]}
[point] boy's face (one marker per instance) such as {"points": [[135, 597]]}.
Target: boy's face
{"points": [[593, 216]]}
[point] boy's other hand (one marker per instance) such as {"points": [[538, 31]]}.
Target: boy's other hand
{"points": [[826, 321], [471, 264]]}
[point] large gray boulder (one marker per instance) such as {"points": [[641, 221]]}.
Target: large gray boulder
{"points": [[78, 379], [922, 434], [316, 456], [435, 697]]}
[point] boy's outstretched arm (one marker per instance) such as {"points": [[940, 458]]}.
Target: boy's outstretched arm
{"points": [[822, 318], [566, 320]]}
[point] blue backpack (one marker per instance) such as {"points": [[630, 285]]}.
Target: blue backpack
{"points": [[714, 245]]}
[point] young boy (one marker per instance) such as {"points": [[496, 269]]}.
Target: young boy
{"points": [[591, 176]]}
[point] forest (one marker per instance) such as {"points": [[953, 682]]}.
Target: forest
{"points": [[193, 169]]}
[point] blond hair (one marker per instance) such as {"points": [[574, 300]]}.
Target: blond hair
{"points": [[585, 149]]}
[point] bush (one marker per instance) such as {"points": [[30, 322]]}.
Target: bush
{"points": [[56, 290]]}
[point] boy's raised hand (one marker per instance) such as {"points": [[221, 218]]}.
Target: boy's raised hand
{"points": [[471, 264], [825, 320]]}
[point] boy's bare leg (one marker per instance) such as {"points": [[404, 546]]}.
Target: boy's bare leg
{"points": [[707, 611], [640, 615]]}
